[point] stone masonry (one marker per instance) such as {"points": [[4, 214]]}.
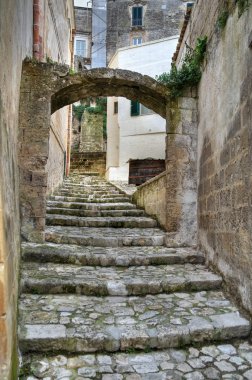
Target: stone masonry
{"points": [[161, 19], [103, 289]]}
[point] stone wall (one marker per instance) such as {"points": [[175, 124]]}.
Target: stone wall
{"points": [[152, 197], [161, 19], [91, 138], [224, 144], [16, 43]]}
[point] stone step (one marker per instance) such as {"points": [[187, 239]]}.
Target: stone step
{"points": [[86, 173], [219, 361], [90, 199], [105, 237], [88, 185], [92, 206], [106, 256], [86, 192], [52, 278], [86, 213], [75, 323], [113, 222]]}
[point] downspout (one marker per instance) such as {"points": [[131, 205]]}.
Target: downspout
{"points": [[69, 126], [36, 31]]}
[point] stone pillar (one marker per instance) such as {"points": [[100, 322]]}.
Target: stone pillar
{"points": [[181, 170], [34, 130]]}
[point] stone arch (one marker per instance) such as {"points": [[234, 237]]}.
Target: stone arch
{"points": [[45, 88]]}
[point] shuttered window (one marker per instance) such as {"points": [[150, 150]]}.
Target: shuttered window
{"points": [[137, 16], [135, 108]]}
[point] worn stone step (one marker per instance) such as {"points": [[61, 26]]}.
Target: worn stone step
{"points": [[52, 278], [72, 323], [87, 192], [106, 221], [89, 199], [86, 213], [92, 206], [106, 256], [97, 185], [105, 237], [219, 361]]}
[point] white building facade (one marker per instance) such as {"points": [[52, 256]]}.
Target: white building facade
{"points": [[134, 132]]}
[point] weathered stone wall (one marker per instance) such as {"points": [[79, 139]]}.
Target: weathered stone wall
{"points": [[181, 170], [91, 162], [76, 128], [161, 19], [15, 44], [225, 141], [152, 197], [55, 166], [91, 138]]}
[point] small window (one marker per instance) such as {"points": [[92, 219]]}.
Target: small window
{"points": [[137, 16], [138, 109], [80, 48], [115, 107], [137, 41], [135, 108]]}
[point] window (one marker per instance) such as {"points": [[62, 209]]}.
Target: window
{"points": [[137, 16], [137, 41], [115, 107], [81, 48], [138, 109], [135, 108]]}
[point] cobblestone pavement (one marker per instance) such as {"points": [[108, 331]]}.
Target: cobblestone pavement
{"points": [[223, 361], [103, 298]]}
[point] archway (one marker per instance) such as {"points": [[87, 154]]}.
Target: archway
{"points": [[46, 88]]}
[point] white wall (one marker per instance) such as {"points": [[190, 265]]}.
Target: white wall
{"points": [[137, 137], [83, 3]]}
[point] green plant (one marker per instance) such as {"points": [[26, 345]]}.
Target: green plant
{"points": [[222, 19], [49, 60], [71, 71], [78, 111], [243, 5], [190, 72]]}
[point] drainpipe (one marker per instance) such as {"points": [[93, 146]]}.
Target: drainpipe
{"points": [[36, 39], [69, 124]]}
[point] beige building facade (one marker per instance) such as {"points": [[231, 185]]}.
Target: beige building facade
{"points": [[42, 29]]}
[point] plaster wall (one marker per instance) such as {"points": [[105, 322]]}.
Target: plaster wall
{"points": [[224, 144], [57, 24], [136, 137], [16, 43]]}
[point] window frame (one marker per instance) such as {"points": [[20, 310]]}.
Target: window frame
{"points": [[136, 19], [82, 39], [137, 40], [137, 110]]}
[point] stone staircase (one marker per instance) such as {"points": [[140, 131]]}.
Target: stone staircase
{"points": [[103, 298]]}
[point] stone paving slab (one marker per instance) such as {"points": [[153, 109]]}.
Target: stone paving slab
{"points": [[232, 361], [92, 206], [105, 237], [55, 278], [74, 323], [115, 222], [90, 199], [92, 213], [107, 256]]}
